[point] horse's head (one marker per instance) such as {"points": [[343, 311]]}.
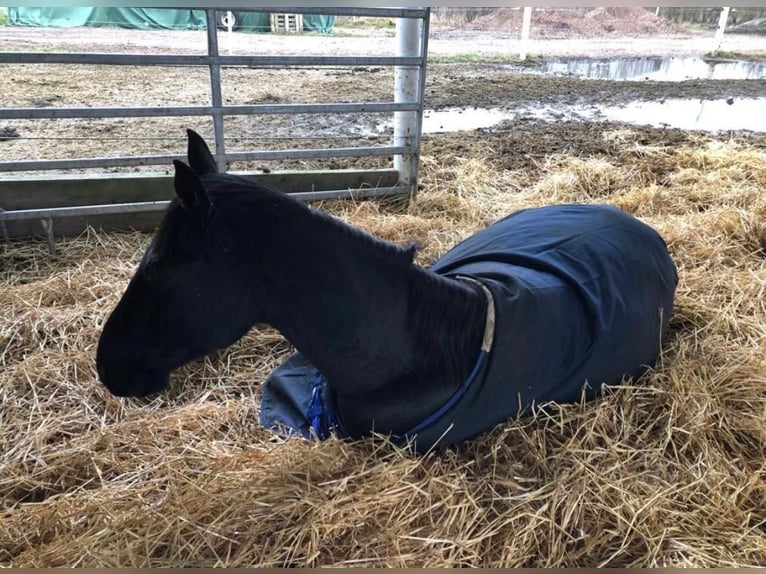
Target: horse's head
{"points": [[186, 298]]}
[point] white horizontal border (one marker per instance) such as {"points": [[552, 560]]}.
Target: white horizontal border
{"points": [[244, 4]]}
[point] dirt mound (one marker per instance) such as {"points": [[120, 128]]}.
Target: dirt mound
{"points": [[557, 22]]}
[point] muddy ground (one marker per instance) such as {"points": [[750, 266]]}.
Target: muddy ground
{"points": [[467, 68]]}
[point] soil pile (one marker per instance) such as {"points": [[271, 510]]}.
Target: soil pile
{"points": [[563, 22]]}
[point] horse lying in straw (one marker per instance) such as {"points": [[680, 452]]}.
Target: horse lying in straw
{"points": [[544, 305]]}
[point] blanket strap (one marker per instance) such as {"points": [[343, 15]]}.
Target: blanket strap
{"points": [[319, 414], [489, 324], [486, 347]]}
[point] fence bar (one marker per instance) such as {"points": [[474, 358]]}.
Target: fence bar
{"points": [[132, 161], [236, 110], [80, 210], [424, 34], [365, 192], [200, 60], [317, 153], [215, 90], [340, 11], [150, 206]]}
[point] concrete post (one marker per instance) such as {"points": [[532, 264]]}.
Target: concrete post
{"points": [[721, 27], [526, 25], [406, 85]]}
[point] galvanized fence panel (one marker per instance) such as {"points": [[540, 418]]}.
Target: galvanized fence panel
{"points": [[404, 149]]}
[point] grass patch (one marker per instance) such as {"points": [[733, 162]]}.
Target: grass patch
{"points": [[744, 56], [474, 58], [364, 22]]}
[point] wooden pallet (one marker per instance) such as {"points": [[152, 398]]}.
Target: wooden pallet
{"points": [[287, 23]]}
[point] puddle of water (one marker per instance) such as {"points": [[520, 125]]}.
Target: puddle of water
{"points": [[458, 119], [706, 115], [668, 69]]}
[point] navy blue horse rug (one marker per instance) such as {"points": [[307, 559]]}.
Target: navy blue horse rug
{"points": [[581, 297]]}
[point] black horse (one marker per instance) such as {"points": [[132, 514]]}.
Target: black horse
{"points": [[544, 305]]}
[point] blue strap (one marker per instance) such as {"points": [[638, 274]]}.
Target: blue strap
{"points": [[316, 412], [486, 347], [456, 396], [321, 413], [323, 420]]}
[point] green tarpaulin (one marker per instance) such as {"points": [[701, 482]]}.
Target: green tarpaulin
{"points": [[138, 18], [150, 19]]}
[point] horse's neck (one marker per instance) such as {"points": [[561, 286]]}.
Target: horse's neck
{"points": [[375, 324], [443, 333]]}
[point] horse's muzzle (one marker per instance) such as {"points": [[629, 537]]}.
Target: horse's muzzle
{"points": [[132, 382]]}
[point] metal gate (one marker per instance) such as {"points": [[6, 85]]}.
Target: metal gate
{"points": [[27, 198]]}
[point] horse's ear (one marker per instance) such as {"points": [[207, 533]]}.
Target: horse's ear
{"points": [[193, 195], [200, 158], [410, 251]]}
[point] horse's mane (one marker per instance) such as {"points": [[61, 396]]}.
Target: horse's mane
{"points": [[435, 329], [236, 189]]}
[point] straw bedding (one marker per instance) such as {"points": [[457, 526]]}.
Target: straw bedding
{"points": [[669, 471]]}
